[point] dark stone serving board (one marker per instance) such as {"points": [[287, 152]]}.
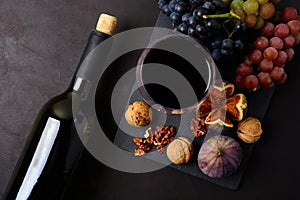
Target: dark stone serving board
{"points": [[257, 106]]}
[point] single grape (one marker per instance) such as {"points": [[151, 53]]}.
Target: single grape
{"points": [[182, 28], [282, 79], [290, 54], [212, 24], [165, 9], [239, 81], [250, 20], [289, 13], [294, 26], [281, 59], [265, 80], [289, 41], [270, 53], [251, 82], [277, 73], [216, 54], [244, 69], [259, 23], [239, 45], [267, 10], [237, 5], [227, 52], [191, 32], [192, 22], [297, 39], [172, 5], [241, 14], [261, 43], [201, 30], [240, 26], [175, 18], [209, 6], [181, 7], [267, 30], [276, 42], [256, 56], [227, 44], [281, 30], [185, 17], [265, 65], [250, 6], [216, 44], [199, 12]]}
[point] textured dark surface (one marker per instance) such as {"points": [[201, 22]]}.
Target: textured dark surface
{"points": [[40, 45]]}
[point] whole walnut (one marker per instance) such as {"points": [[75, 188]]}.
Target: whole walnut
{"points": [[249, 130], [180, 150]]}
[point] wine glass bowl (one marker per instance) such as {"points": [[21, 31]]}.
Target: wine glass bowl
{"points": [[175, 73]]}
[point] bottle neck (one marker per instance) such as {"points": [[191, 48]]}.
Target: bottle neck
{"points": [[95, 38]]}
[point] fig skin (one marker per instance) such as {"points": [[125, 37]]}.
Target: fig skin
{"points": [[220, 156]]}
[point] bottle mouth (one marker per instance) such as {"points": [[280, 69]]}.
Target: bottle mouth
{"points": [[180, 64]]}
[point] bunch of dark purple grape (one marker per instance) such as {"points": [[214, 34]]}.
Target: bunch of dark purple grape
{"points": [[209, 22]]}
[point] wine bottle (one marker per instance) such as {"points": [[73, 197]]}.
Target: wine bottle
{"points": [[53, 146]]}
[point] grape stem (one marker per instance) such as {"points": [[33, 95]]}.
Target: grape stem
{"points": [[231, 14], [231, 34]]}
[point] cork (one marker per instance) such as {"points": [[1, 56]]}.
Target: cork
{"points": [[106, 24]]}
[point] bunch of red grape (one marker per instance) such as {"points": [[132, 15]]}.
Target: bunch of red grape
{"points": [[264, 65]]}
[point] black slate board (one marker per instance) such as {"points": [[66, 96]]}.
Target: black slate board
{"points": [[257, 106]]}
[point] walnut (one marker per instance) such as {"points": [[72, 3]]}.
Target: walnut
{"points": [[150, 140], [198, 126], [137, 141], [138, 114], [139, 152], [143, 146], [180, 150], [249, 130], [161, 137]]}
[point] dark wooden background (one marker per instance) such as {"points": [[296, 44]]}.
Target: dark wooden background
{"points": [[41, 42]]}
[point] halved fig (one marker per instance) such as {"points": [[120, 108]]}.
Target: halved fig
{"points": [[220, 106]]}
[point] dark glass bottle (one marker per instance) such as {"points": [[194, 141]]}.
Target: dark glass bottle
{"points": [[53, 146]]}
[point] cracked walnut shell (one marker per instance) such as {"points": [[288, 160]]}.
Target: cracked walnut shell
{"points": [[180, 150], [138, 114]]}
